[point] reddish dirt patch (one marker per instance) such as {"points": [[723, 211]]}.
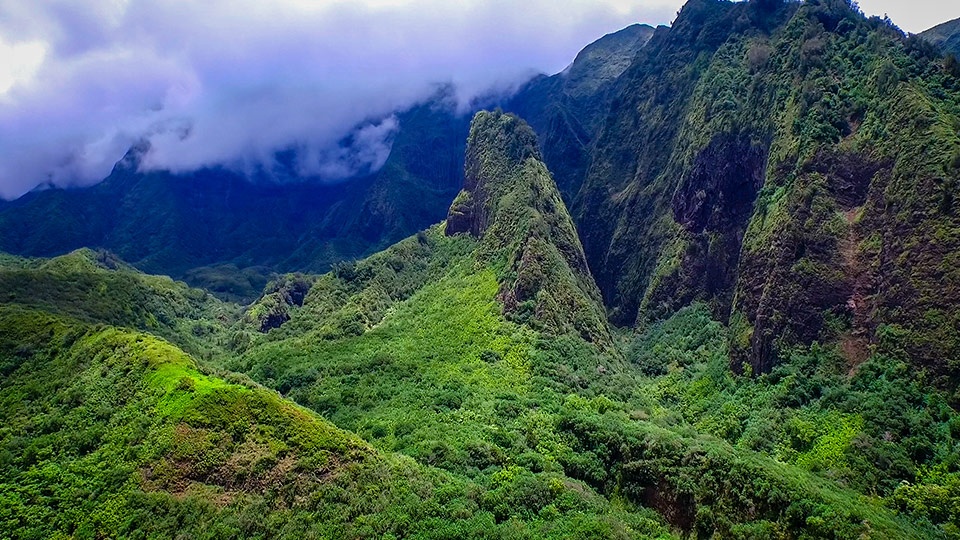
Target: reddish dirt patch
{"points": [[855, 344]]}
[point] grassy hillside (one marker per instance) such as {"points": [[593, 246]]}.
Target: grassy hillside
{"points": [[108, 433], [116, 433], [445, 379], [97, 287]]}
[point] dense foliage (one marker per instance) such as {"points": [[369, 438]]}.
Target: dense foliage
{"points": [[511, 203], [769, 206], [791, 165]]}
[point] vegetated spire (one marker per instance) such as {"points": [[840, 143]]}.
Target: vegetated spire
{"points": [[512, 204], [497, 148]]}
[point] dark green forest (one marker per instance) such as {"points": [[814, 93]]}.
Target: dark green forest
{"points": [[706, 286]]}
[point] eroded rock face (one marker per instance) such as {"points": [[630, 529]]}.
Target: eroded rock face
{"points": [[465, 215], [273, 308], [848, 174], [719, 191], [498, 146], [814, 266], [712, 205]]}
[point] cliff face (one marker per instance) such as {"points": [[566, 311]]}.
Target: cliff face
{"points": [[793, 166], [510, 202]]}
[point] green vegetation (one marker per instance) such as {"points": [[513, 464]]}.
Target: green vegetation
{"points": [[791, 165], [445, 379], [108, 433], [528, 437], [880, 429], [946, 36], [96, 286], [439, 374], [769, 209], [510, 201]]}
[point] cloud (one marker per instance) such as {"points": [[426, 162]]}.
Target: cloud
{"points": [[235, 81], [914, 16]]}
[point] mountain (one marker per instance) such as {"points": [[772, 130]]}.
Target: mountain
{"points": [[510, 201], [471, 420], [224, 231], [760, 158], [230, 233], [421, 349], [709, 290], [945, 35], [567, 109]]}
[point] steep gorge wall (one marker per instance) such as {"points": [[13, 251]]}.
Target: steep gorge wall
{"points": [[793, 166]]}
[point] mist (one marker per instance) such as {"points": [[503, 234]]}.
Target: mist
{"points": [[234, 82]]}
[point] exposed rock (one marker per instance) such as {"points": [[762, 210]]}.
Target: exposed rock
{"points": [[272, 309], [717, 194]]}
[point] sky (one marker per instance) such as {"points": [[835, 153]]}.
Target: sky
{"points": [[231, 82]]}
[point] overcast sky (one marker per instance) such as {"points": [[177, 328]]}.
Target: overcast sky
{"points": [[232, 81]]}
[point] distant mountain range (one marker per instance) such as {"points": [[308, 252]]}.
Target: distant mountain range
{"points": [[220, 230], [946, 36]]}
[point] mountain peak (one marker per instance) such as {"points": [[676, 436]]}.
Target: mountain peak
{"points": [[498, 146], [605, 59], [945, 35], [512, 204]]}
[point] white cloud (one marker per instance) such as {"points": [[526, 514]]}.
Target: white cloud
{"points": [[19, 62], [914, 16], [223, 80], [218, 81]]}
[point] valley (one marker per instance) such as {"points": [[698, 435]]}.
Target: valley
{"points": [[702, 284]]}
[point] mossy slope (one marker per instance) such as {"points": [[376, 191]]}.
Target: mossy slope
{"points": [[511, 204], [791, 165]]}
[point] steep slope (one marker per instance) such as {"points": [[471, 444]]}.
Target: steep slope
{"points": [[623, 210], [510, 202], [567, 109], [411, 348], [791, 165], [422, 175], [945, 36]]}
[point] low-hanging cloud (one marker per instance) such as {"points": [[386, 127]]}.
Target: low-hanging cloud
{"points": [[226, 81]]}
